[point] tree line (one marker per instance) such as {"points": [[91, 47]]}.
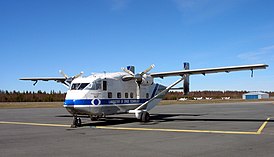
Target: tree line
{"points": [[53, 96], [30, 96]]}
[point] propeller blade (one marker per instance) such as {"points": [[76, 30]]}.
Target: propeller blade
{"points": [[62, 73], [128, 71], [147, 70], [76, 76]]}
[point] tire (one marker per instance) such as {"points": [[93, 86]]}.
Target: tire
{"points": [[78, 122], [74, 123], [94, 118], [145, 117]]}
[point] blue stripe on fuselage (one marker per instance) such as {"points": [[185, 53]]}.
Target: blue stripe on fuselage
{"points": [[104, 101]]}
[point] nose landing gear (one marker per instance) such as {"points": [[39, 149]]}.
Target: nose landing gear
{"points": [[77, 122]]}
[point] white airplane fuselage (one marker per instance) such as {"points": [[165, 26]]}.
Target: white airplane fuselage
{"points": [[106, 94]]}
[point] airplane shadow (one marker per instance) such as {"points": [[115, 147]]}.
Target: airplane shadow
{"points": [[118, 120], [162, 118]]}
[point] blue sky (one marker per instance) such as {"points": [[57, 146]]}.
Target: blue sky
{"points": [[38, 38]]}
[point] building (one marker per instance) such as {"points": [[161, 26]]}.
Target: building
{"points": [[255, 95]]}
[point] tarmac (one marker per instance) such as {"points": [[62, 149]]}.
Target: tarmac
{"points": [[233, 129]]}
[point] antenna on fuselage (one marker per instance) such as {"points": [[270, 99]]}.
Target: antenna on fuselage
{"points": [[105, 74]]}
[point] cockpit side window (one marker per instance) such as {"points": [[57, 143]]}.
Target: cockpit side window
{"points": [[96, 85], [91, 86]]}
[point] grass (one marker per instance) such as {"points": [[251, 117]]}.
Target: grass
{"points": [[214, 101], [14, 105]]}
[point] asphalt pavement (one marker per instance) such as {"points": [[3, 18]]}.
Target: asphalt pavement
{"points": [[235, 129]]}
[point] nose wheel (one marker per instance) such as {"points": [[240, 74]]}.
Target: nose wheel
{"points": [[77, 122]]}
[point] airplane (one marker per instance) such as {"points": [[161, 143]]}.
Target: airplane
{"points": [[104, 94]]}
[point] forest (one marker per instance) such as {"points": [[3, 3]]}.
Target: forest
{"points": [[30, 96], [53, 96]]}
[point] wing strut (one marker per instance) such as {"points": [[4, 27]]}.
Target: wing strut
{"points": [[139, 109]]}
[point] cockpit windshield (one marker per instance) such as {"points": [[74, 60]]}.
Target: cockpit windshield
{"points": [[96, 85], [78, 86]]}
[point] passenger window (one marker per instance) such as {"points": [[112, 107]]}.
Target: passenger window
{"points": [[109, 95], [104, 85], [131, 95], [126, 95], [119, 95]]}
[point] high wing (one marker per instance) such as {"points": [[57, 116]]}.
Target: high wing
{"points": [[36, 79], [210, 70], [58, 79], [66, 80]]}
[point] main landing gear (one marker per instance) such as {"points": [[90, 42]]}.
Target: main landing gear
{"points": [[144, 117], [95, 117], [77, 122], [141, 115]]}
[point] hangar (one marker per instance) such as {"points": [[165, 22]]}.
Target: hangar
{"points": [[255, 95]]}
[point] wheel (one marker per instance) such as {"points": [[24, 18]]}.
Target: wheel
{"points": [[145, 116], [94, 118], [78, 122], [74, 123]]}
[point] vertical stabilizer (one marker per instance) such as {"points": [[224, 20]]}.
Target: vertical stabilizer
{"points": [[131, 68]]}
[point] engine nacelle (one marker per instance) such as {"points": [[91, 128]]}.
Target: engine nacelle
{"points": [[147, 80]]}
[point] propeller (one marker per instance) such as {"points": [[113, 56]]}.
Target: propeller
{"points": [[62, 73], [138, 77], [147, 70], [70, 79]]}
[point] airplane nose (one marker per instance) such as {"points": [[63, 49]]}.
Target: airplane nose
{"points": [[69, 102]]}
